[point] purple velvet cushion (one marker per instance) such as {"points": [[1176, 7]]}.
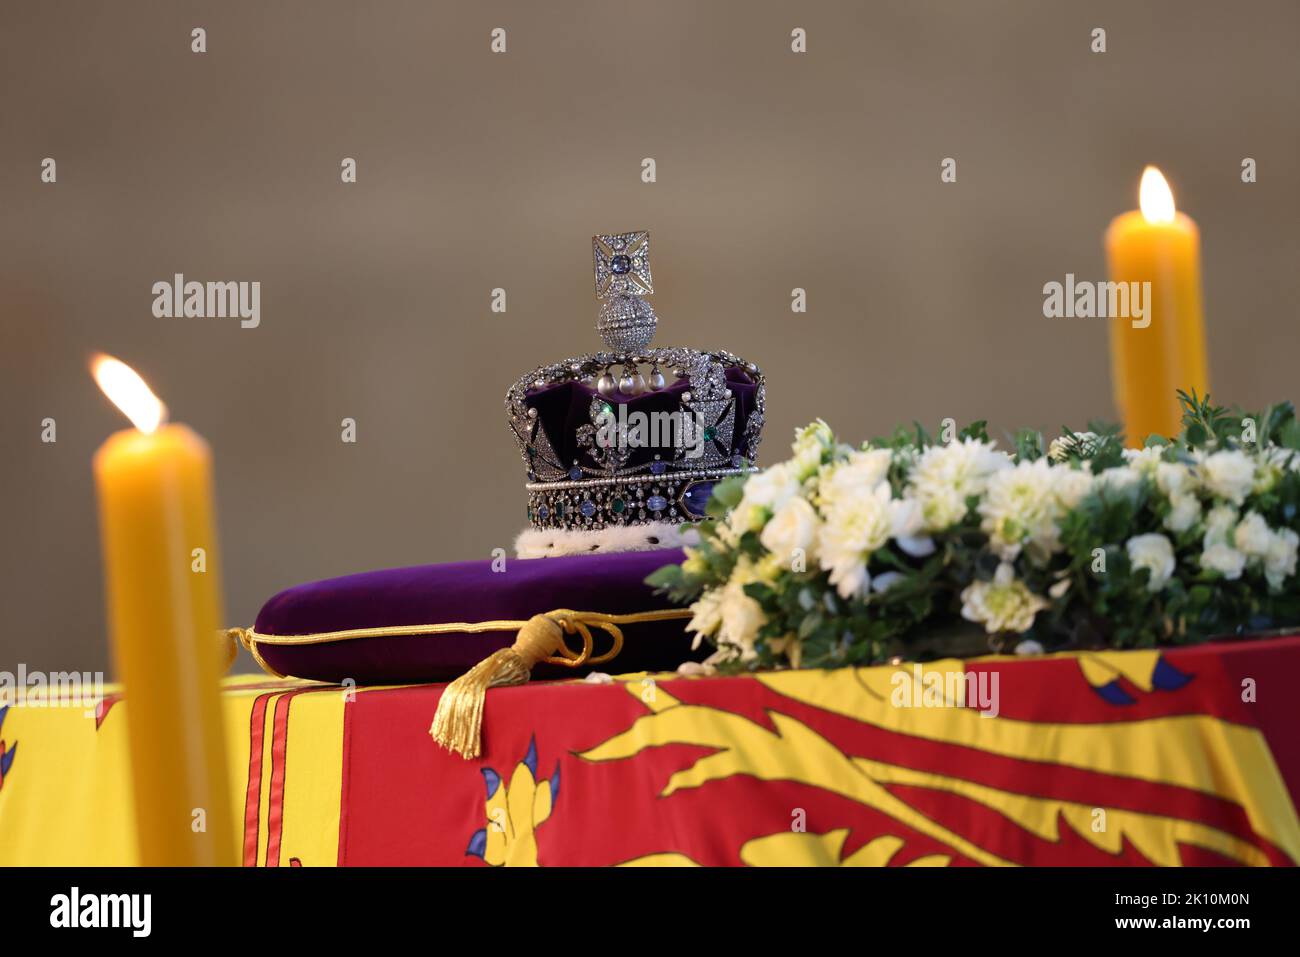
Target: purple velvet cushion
{"points": [[466, 592]]}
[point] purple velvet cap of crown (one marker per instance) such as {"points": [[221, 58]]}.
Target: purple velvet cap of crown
{"points": [[467, 592], [563, 408]]}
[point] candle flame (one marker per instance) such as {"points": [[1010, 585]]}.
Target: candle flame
{"points": [[128, 392], [1155, 198]]}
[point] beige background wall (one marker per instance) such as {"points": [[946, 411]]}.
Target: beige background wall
{"points": [[476, 170]]}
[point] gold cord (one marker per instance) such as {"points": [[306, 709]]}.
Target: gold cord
{"points": [[458, 723]]}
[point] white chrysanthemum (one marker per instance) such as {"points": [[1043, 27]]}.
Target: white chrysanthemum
{"points": [[1155, 553], [763, 494], [1004, 604], [706, 615], [1280, 562], [742, 616], [1225, 560], [944, 476], [1229, 474], [1184, 512], [1252, 537], [739, 616], [795, 525], [856, 526], [1020, 509], [861, 470]]}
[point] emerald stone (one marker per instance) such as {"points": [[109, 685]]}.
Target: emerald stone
{"points": [[618, 506], [709, 433]]}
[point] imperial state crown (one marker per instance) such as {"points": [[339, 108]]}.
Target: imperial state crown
{"points": [[621, 447]]}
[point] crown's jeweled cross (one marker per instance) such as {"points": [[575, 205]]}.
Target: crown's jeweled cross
{"points": [[626, 322]]}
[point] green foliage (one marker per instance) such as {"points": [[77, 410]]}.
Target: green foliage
{"points": [[1094, 594]]}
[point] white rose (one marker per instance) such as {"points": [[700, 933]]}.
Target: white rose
{"points": [[1229, 474], [1219, 523], [1155, 553], [861, 470], [1175, 478], [1123, 481], [763, 494], [1144, 460], [1279, 564], [1184, 513], [794, 526], [1253, 536], [1225, 560], [1071, 485]]}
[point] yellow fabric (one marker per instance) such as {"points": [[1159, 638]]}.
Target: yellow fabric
{"points": [[75, 805]]}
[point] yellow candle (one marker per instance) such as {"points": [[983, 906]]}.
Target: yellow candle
{"points": [[154, 484], [1153, 356]]}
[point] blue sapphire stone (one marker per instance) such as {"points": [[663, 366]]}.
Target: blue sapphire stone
{"points": [[575, 473], [620, 265], [588, 509], [658, 468], [695, 498], [656, 503], [542, 512]]}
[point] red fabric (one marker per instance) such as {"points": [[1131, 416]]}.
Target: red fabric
{"points": [[408, 802]]}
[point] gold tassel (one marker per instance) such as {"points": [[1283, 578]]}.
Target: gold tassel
{"points": [[458, 723]]}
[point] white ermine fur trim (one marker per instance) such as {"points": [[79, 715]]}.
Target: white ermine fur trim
{"points": [[550, 542]]}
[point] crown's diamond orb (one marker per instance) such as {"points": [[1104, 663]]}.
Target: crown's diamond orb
{"points": [[626, 324], [620, 265]]}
